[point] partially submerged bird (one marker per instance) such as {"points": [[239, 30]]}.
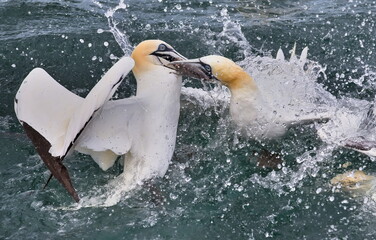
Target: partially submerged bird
{"points": [[141, 129], [356, 182], [259, 113]]}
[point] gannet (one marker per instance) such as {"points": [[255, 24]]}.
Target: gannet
{"points": [[251, 110], [141, 128]]}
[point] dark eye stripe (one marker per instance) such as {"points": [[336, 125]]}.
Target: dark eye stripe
{"points": [[166, 57]]}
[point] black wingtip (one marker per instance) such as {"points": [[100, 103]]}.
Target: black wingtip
{"points": [[48, 181], [54, 164]]}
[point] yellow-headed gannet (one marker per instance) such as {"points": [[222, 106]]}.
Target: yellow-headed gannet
{"points": [[249, 108], [140, 128]]}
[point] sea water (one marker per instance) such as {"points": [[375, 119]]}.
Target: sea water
{"points": [[214, 187]]}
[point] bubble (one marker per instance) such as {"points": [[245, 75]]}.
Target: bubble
{"points": [[173, 196]]}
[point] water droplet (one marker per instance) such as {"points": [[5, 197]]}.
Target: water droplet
{"points": [[81, 40], [224, 12], [105, 44], [100, 30], [319, 190], [173, 196], [13, 65], [90, 45], [178, 6], [147, 26], [94, 58]]}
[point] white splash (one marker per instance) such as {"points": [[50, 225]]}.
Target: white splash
{"points": [[288, 180], [120, 37]]}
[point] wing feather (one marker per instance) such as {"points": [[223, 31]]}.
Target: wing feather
{"points": [[109, 135], [45, 105], [100, 94]]}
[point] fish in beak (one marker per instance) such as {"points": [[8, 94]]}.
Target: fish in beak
{"points": [[192, 68]]}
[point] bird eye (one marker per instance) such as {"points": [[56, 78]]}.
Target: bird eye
{"points": [[162, 47], [207, 68]]}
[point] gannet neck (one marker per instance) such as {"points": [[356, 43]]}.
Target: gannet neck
{"points": [[244, 91], [158, 83], [242, 85], [244, 105]]}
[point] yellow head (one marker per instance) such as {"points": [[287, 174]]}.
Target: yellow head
{"points": [[151, 53]]}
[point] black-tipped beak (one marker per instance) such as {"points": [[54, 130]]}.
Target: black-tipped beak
{"points": [[191, 68]]}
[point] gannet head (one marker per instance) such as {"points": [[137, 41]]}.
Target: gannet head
{"points": [[150, 54], [217, 68]]}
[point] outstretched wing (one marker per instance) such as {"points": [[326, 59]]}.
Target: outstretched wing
{"points": [[45, 105], [109, 133], [53, 117], [44, 108], [100, 94]]}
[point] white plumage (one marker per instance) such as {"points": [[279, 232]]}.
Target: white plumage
{"points": [[141, 129]]}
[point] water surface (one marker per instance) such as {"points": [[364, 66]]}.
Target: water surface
{"points": [[214, 188]]}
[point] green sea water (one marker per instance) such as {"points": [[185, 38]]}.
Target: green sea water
{"points": [[213, 188]]}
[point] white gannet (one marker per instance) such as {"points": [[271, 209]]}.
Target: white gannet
{"points": [[141, 128], [256, 112]]}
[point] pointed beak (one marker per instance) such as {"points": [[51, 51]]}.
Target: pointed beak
{"points": [[190, 68], [180, 57], [177, 56]]}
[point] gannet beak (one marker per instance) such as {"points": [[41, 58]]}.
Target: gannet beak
{"points": [[191, 68]]}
